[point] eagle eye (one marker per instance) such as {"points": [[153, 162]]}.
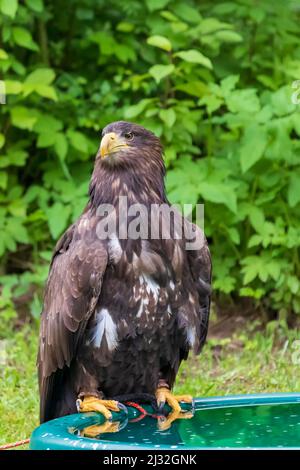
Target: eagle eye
{"points": [[128, 135]]}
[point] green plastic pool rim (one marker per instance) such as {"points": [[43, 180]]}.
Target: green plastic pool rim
{"points": [[58, 434]]}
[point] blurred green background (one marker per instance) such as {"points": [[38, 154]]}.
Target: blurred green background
{"points": [[215, 81]]}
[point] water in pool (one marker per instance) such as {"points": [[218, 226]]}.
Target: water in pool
{"points": [[230, 427]]}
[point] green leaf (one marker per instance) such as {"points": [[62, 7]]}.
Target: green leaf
{"points": [[17, 230], [194, 88], [249, 292], [183, 195], [8, 239], [13, 87], [234, 235], [273, 269], [39, 81], [17, 208], [294, 284], [255, 240], [239, 101], [3, 54], [36, 306], [194, 57], [42, 76], [35, 5], [9, 7], [257, 218], [17, 157], [3, 180], [253, 145], [2, 140], [168, 116], [45, 91], [24, 118], [212, 102], [219, 193], [281, 101], [136, 109], [170, 154], [229, 36], [267, 81], [78, 140], [61, 145], [58, 216], [158, 72], [294, 190], [223, 8], [23, 38], [296, 122], [250, 272], [208, 26], [161, 42], [169, 16], [187, 13], [125, 27], [47, 123], [46, 139], [156, 4], [228, 84]]}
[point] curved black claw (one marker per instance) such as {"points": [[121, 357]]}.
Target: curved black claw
{"points": [[122, 408], [160, 406], [123, 424], [193, 406]]}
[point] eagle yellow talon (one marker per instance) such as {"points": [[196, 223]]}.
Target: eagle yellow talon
{"points": [[184, 398], [164, 395], [90, 403], [96, 430], [165, 423]]}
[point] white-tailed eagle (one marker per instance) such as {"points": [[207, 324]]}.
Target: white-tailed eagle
{"points": [[120, 314]]}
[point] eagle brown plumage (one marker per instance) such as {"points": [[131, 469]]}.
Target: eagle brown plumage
{"points": [[120, 315]]}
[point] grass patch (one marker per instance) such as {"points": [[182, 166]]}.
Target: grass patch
{"points": [[19, 388], [250, 360]]}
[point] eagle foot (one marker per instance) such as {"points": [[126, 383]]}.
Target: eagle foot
{"points": [[165, 423], [96, 430], [164, 395], [92, 403]]}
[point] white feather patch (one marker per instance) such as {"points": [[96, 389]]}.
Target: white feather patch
{"points": [[142, 307], [114, 249], [150, 284], [191, 336], [105, 327]]}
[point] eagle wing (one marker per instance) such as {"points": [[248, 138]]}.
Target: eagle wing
{"points": [[72, 290], [201, 271]]}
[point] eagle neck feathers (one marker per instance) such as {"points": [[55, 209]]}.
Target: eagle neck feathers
{"points": [[142, 183]]}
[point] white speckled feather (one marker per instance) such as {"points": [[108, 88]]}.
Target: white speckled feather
{"points": [[105, 328]]}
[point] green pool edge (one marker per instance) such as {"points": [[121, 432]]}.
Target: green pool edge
{"points": [[55, 435]]}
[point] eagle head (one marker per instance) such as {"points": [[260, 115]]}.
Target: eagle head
{"points": [[126, 143]]}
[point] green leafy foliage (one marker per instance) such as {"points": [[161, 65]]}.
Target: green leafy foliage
{"points": [[212, 79]]}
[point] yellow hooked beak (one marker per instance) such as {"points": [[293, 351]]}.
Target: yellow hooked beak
{"points": [[111, 143]]}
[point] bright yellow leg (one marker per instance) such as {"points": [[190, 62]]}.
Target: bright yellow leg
{"points": [[164, 395], [90, 403]]}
